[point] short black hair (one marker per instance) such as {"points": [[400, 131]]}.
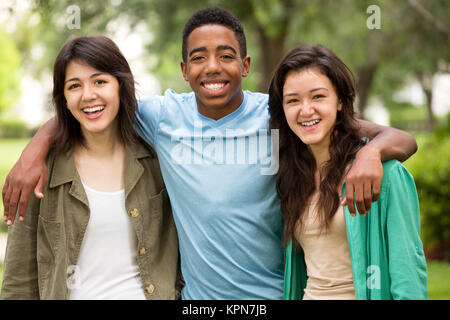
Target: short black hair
{"points": [[214, 15]]}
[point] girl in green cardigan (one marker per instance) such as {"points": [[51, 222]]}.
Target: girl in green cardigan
{"points": [[329, 253]]}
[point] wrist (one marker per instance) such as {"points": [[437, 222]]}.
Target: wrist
{"points": [[372, 150]]}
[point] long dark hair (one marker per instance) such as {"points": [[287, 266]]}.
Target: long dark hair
{"points": [[102, 54], [295, 178]]}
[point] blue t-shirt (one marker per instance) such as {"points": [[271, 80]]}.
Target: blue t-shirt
{"points": [[220, 176]]}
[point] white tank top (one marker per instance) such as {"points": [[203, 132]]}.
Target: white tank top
{"points": [[107, 264]]}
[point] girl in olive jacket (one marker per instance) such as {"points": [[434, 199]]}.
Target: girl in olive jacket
{"points": [[104, 229], [330, 254]]}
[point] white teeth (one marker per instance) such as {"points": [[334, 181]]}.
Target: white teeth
{"points": [[93, 109], [310, 123], [214, 86]]}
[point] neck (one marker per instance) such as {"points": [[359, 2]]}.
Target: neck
{"points": [[217, 113], [102, 144], [321, 153]]}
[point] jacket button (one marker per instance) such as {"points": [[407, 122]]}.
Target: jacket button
{"points": [[134, 213], [150, 288], [142, 251]]}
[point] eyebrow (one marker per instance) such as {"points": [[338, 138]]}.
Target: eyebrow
{"points": [[220, 47], [91, 76], [296, 94], [227, 47]]}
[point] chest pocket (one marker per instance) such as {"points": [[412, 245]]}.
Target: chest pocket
{"points": [[48, 234], [156, 219]]}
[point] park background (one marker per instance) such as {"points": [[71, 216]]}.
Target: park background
{"points": [[398, 51]]}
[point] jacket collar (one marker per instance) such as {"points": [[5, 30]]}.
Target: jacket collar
{"points": [[63, 170]]}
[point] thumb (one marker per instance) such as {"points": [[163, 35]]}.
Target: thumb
{"points": [[344, 202]]}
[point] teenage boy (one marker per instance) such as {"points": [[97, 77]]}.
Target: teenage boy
{"points": [[219, 164]]}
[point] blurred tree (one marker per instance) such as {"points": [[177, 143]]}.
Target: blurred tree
{"points": [[411, 40], [413, 50], [428, 38], [9, 74]]}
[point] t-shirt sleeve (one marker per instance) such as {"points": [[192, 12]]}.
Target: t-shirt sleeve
{"points": [[407, 265], [147, 119]]}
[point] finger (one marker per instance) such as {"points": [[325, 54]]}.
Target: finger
{"points": [[38, 191], [349, 196], [344, 202], [6, 197], [359, 198], [4, 190], [23, 203], [376, 190], [367, 196], [13, 202]]}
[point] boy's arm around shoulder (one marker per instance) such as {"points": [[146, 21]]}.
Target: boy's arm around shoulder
{"points": [[407, 265], [29, 172]]}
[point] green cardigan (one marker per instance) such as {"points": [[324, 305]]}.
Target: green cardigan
{"points": [[387, 255]]}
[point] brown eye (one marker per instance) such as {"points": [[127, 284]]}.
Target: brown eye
{"points": [[73, 86], [197, 58]]}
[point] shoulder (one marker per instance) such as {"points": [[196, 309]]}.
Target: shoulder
{"points": [[141, 150], [394, 170], [257, 98], [257, 106], [171, 98], [148, 158], [158, 102], [396, 177]]}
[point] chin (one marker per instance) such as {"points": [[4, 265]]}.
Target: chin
{"points": [[310, 140]]}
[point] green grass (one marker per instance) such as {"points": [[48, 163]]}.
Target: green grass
{"points": [[438, 280], [10, 150]]}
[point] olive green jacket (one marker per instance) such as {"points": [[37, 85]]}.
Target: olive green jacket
{"points": [[42, 250]]}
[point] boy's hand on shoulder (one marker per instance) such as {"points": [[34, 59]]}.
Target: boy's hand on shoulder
{"points": [[24, 176], [363, 180]]}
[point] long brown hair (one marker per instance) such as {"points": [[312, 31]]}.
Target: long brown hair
{"points": [[295, 178], [102, 54]]}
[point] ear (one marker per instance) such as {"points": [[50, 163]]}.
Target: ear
{"points": [[246, 66], [184, 70], [339, 107]]}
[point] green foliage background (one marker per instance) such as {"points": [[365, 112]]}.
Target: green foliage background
{"points": [[431, 170], [9, 71], [409, 46]]}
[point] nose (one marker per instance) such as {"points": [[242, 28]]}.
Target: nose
{"points": [[212, 65], [89, 93], [306, 109]]}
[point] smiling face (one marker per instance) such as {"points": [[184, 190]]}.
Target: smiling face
{"points": [[92, 97], [310, 105], [214, 70]]}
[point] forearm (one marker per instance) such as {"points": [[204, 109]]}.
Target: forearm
{"points": [[42, 141], [28, 174], [388, 143]]}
